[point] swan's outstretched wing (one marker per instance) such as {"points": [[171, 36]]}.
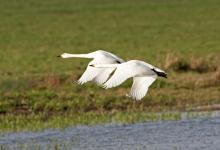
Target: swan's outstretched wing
{"points": [[97, 75], [123, 72], [89, 74], [140, 86], [103, 75]]}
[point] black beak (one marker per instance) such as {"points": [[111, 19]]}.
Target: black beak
{"points": [[58, 56], [92, 65]]}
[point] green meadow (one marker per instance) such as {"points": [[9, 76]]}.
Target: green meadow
{"points": [[37, 89]]}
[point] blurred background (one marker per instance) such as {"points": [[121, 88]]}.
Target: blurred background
{"points": [[37, 89]]}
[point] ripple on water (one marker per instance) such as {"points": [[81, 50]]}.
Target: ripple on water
{"points": [[200, 133]]}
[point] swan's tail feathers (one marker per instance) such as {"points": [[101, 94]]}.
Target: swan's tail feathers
{"points": [[160, 73], [67, 55], [104, 65]]}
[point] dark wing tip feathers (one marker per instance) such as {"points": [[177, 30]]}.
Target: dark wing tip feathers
{"points": [[164, 75], [160, 74]]}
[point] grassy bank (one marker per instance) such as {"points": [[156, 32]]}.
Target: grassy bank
{"points": [[36, 87]]}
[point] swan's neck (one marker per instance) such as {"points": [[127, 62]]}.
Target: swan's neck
{"points": [[67, 55], [105, 65]]}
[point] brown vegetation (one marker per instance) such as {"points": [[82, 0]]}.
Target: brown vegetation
{"points": [[216, 76], [176, 63], [173, 62], [209, 80]]}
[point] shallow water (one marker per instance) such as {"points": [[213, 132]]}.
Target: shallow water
{"points": [[201, 133]]}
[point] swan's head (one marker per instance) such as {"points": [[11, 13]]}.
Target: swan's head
{"points": [[65, 55], [104, 65]]}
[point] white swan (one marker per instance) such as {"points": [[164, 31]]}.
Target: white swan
{"points": [[97, 75], [143, 75]]}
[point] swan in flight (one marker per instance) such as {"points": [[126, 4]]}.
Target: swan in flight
{"points": [[143, 74], [97, 75]]}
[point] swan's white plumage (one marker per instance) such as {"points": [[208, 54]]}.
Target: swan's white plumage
{"points": [[122, 73], [140, 86], [143, 76], [89, 74], [103, 75], [97, 75], [127, 70], [104, 63]]}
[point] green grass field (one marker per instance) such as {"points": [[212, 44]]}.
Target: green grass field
{"points": [[36, 89]]}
